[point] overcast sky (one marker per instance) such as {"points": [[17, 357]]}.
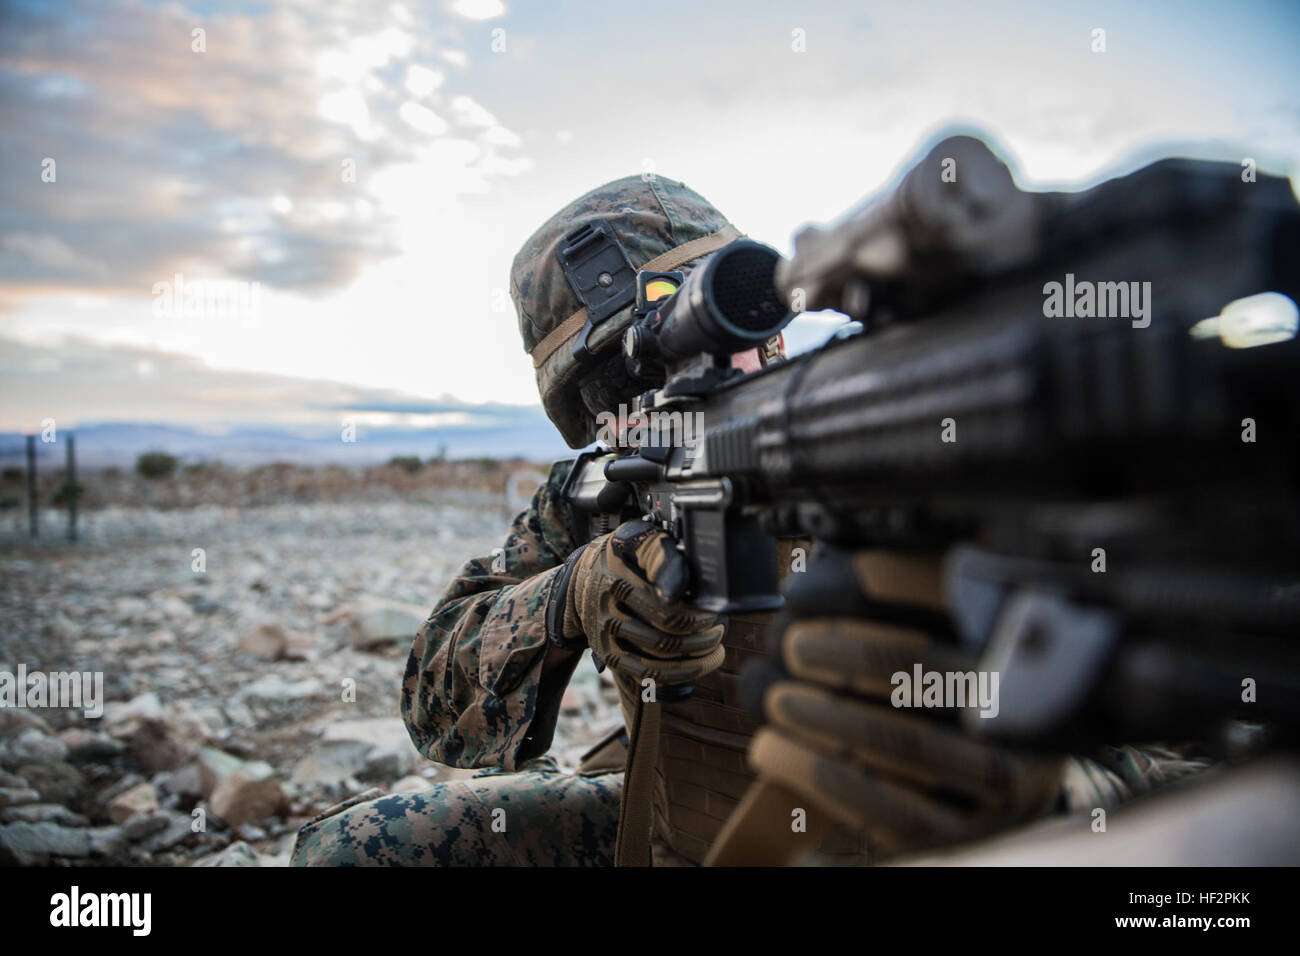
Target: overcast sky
{"points": [[467, 123]]}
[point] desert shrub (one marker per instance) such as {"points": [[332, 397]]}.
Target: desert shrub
{"points": [[411, 463], [66, 491], [156, 464]]}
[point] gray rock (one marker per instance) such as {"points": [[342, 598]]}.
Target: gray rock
{"points": [[179, 828], [267, 641], [332, 762], [89, 746], [106, 841], [34, 746], [120, 786], [33, 844], [213, 766], [249, 833], [62, 628], [162, 745], [274, 689], [300, 646], [389, 753], [147, 704], [145, 824], [238, 853], [140, 799], [184, 782], [57, 782], [44, 813], [162, 637], [237, 713], [14, 720], [250, 793], [376, 621], [129, 609], [173, 607], [17, 796], [283, 851], [165, 741], [203, 605]]}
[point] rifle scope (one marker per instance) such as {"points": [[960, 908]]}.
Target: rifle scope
{"points": [[728, 304]]}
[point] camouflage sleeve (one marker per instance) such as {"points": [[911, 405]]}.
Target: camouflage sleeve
{"points": [[473, 694]]}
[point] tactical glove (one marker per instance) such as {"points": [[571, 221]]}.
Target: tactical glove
{"points": [[846, 727], [621, 594]]}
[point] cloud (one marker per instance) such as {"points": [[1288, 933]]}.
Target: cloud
{"points": [[75, 380], [224, 164], [254, 158], [479, 9], [49, 255], [423, 119], [421, 80]]}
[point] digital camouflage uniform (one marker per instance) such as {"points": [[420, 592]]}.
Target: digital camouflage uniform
{"points": [[544, 817], [474, 696]]}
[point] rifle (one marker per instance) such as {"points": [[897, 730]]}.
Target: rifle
{"points": [[1051, 387]]}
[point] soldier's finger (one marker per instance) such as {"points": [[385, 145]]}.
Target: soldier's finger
{"points": [[884, 585], [657, 643], [664, 672], [906, 746], [894, 578], [663, 565], [895, 815], [669, 617], [862, 656]]}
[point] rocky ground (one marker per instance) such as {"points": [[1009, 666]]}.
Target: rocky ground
{"points": [[245, 691]]}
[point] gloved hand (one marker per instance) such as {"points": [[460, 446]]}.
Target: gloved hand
{"points": [[837, 730], [621, 594]]}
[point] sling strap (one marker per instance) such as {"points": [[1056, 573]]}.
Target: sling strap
{"points": [[632, 846]]}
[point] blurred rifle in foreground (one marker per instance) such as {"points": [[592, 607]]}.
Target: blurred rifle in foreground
{"points": [[1050, 387]]}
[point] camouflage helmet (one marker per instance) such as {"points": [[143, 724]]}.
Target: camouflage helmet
{"points": [[661, 225]]}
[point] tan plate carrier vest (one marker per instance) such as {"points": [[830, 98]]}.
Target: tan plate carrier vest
{"points": [[686, 768]]}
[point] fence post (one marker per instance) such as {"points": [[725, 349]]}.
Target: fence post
{"points": [[72, 488], [31, 485]]}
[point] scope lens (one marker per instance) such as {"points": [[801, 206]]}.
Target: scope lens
{"points": [[743, 289]]}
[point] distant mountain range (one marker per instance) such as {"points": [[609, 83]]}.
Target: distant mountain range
{"points": [[126, 399], [492, 432]]}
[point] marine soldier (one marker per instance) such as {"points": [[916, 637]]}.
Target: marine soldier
{"points": [[486, 671]]}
